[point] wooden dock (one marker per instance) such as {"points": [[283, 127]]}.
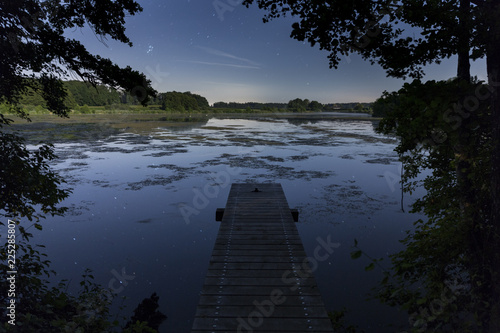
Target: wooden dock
{"points": [[258, 278]]}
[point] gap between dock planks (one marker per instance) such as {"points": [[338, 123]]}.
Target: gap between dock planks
{"points": [[258, 278]]}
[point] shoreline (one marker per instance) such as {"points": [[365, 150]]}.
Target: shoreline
{"points": [[110, 118]]}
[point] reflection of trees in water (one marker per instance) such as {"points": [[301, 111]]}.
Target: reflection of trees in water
{"points": [[187, 119], [302, 121], [189, 124], [375, 125], [314, 120]]}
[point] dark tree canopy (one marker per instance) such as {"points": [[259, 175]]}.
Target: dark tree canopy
{"points": [[27, 181], [298, 105], [376, 29], [315, 106], [93, 96], [186, 101], [35, 54]]}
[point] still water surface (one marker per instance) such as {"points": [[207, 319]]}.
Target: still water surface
{"points": [[144, 200]]}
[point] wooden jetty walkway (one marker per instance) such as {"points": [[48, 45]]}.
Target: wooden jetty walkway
{"points": [[258, 278]]}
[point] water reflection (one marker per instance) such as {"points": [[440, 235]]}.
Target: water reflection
{"points": [[131, 192]]}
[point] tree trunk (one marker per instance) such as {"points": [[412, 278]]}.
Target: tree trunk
{"points": [[493, 67], [463, 155], [463, 69], [481, 246], [461, 149]]}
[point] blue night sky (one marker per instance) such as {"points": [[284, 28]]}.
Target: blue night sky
{"points": [[189, 45]]}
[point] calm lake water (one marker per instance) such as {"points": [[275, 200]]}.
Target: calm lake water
{"points": [[144, 200]]}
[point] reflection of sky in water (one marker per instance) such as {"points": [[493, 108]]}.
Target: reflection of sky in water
{"points": [[125, 206]]}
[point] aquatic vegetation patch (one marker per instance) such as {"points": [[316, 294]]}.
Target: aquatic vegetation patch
{"points": [[167, 153], [79, 164], [36, 132], [73, 153], [273, 171], [336, 202], [103, 183], [381, 158], [116, 149], [273, 158], [79, 210], [156, 180], [275, 174], [312, 142], [351, 199], [161, 180], [384, 160], [298, 158], [335, 133], [173, 167], [249, 141]]}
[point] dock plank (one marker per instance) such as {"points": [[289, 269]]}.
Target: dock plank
{"points": [[258, 277], [279, 312]]}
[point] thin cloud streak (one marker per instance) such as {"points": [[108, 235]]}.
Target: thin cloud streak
{"points": [[219, 64], [232, 84], [227, 55]]}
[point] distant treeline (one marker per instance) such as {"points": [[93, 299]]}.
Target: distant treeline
{"points": [[251, 105], [82, 95], [296, 105]]}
